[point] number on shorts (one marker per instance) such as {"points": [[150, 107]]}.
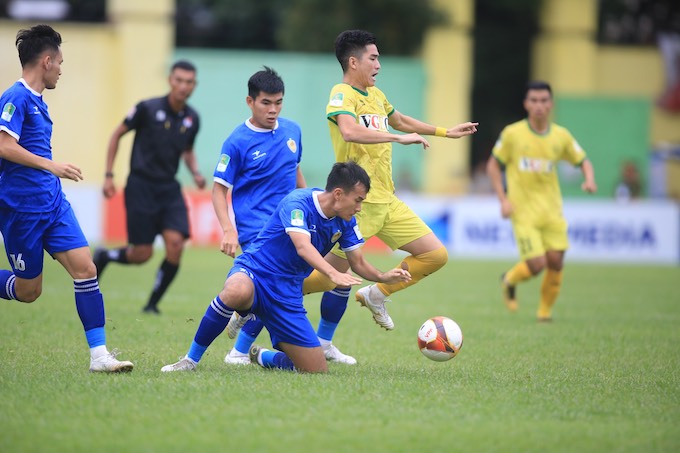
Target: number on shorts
{"points": [[17, 262]]}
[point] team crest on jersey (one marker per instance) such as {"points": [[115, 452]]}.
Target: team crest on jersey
{"points": [[292, 145], [374, 122], [187, 122], [7, 111], [337, 100], [160, 115], [296, 217], [222, 164], [336, 236]]}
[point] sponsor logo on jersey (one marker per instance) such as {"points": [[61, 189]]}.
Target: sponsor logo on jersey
{"points": [[296, 217], [7, 111], [222, 164], [337, 100], [336, 236], [374, 122], [292, 145], [533, 165], [258, 154]]}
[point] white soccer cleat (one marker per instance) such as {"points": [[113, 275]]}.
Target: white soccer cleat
{"points": [[372, 298], [236, 322], [109, 364], [236, 358], [333, 354], [184, 364]]}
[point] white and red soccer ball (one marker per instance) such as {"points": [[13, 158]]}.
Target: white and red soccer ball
{"points": [[440, 339]]}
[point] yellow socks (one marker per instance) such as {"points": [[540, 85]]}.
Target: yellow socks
{"points": [[518, 273], [420, 266], [317, 283], [550, 289]]}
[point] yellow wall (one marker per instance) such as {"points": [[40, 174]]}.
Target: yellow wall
{"points": [[101, 78]]}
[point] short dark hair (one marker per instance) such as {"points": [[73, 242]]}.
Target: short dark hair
{"points": [[538, 85], [352, 43], [32, 42], [346, 175], [183, 64], [267, 81]]}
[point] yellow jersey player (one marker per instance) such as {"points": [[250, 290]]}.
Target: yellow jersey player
{"points": [[527, 152], [359, 116]]}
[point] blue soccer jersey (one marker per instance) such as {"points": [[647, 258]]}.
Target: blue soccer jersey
{"points": [[260, 166], [273, 251], [25, 117]]}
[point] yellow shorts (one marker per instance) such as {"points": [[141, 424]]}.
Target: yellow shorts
{"points": [[394, 223], [534, 239]]}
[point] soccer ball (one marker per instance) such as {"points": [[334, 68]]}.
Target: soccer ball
{"points": [[440, 339]]}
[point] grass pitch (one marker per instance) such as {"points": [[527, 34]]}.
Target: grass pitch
{"points": [[604, 376]]}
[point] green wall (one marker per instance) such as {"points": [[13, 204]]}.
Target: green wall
{"points": [[610, 130], [222, 90]]}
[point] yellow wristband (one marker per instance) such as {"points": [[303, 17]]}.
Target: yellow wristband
{"points": [[440, 131]]}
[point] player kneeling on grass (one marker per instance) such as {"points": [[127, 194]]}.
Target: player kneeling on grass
{"points": [[267, 278]]}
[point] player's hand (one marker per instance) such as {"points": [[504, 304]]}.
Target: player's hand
{"points": [[109, 189], [462, 130], [589, 186], [229, 244], [506, 209], [344, 279], [199, 180], [413, 139], [67, 171], [395, 276]]}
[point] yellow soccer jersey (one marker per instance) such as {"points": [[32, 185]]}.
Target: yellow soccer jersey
{"points": [[371, 110], [530, 161]]}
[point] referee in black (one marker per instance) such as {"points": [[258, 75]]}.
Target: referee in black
{"points": [[165, 131]]}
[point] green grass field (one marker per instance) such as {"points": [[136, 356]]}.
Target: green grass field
{"points": [[605, 376]]}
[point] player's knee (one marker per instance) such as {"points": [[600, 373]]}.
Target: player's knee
{"points": [[434, 260], [28, 295], [139, 255], [87, 271]]}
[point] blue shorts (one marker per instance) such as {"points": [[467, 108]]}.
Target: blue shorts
{"points": [[278, 304], [27, 234]]}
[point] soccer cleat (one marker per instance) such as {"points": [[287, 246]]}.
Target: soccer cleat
{"points": [[544, 315], [109, 364], [101, 259], [333, 354], [236, 358], [509, 295], [376, 304], [236, 322], [184, 364], [151, 309], [254, 354]]}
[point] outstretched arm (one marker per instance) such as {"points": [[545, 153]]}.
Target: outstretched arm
{"points": [[304, 248], [355, 133], [405, 123], [362, 267]]}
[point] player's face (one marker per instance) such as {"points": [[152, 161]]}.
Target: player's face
{"points": [[538, 104], [52, 64], [266, 108], [182, 84], [349, 203], [368, 66]]}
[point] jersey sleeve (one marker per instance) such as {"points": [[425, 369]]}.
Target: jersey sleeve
{"points": [[341, 101], [135, 116], [227, 167], [293, 217], [351, 238], [13, 114], [194, 130], [572, 151], [502, 148]]}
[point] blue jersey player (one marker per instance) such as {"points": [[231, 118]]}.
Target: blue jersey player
{"points": [[259, 165], [34, 213], [267, 278]]}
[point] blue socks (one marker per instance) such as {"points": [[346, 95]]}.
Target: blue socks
{"points": [[333, 306], [90, 307], [212, 325], [7, 279], [275, 359]]}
